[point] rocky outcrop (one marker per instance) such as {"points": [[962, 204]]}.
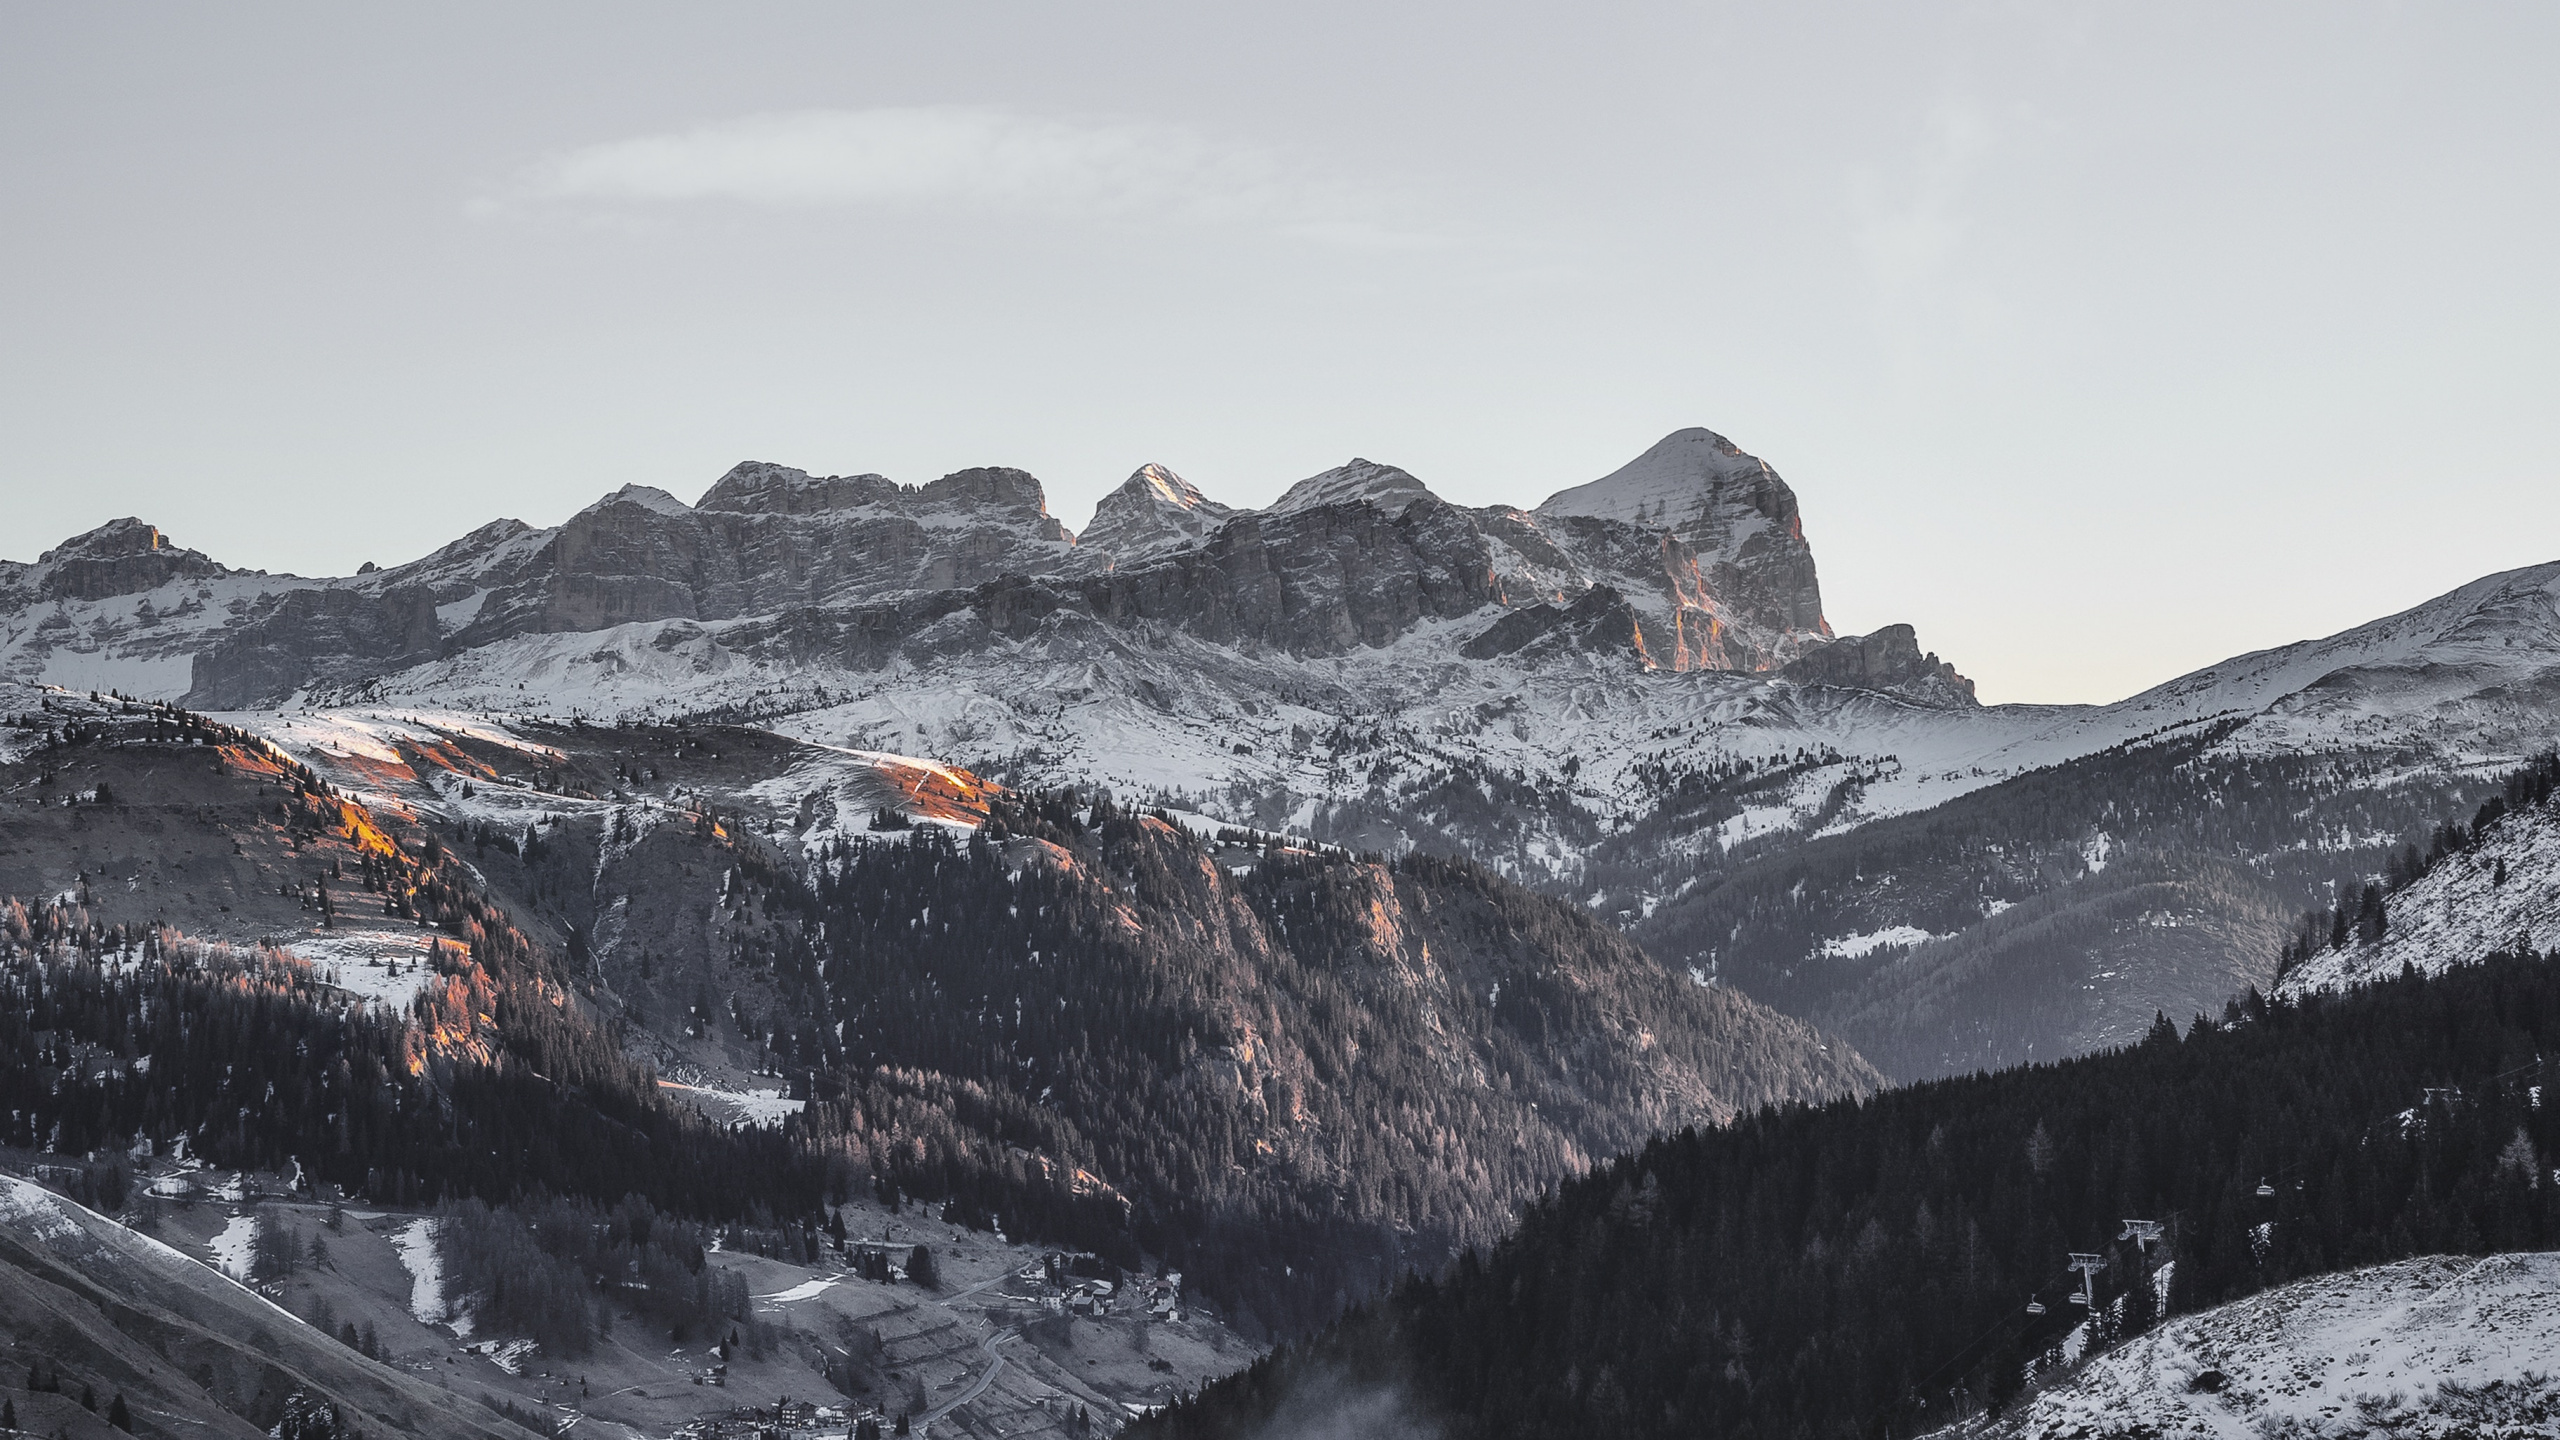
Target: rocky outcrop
{"points": [[1318, 582], [1600, 623], [1688, 558], [1889, 659], [121, 557], [1361, 482], [753, 487]]}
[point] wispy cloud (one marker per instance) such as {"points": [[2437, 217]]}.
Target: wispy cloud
{"points": [[1913, 226], [970, 157]]}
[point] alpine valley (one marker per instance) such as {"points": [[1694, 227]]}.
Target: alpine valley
{"points": [[840, 953]]}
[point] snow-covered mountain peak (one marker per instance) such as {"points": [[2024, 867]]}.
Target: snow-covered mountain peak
{"points": [[1687, 474], [1167, 488], [1154, 510], [647, 497], [1384, 486], [990, 486], [126, 536]]}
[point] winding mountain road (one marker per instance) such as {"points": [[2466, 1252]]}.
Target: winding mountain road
{"points": [[977, 1387]]}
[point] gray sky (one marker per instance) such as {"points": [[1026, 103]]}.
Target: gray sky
{"points": [[2100, 342]]}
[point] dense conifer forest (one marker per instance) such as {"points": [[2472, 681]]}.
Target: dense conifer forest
{"points": [[1288, 1074], [110, 1032], [1864, 1268]]}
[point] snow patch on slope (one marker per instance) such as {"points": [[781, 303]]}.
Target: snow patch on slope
{"points": [[81, 1235], [739, 1107], [1855, 947], [416, 1243], [2502, 894], [2425, 1348], [236, 1247], [360, 962]]}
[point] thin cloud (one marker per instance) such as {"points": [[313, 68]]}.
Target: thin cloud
{"points": [[1911, 232], [969, 157]]}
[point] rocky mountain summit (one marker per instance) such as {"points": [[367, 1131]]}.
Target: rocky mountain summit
{"points": [[1152, 512], [121, 557], [1698, 542]]}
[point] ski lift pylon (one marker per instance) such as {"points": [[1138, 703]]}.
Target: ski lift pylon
{"points": [[2088, 1265], [2141, 1232]]}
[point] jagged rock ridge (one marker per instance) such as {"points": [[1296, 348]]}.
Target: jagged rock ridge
{"points": [[1697, 542]]}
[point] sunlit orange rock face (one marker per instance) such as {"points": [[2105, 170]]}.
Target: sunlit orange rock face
{"points": [[935, 792]]}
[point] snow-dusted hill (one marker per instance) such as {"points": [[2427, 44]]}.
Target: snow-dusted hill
{"points": [[2502, 894], [2441, 1347]]}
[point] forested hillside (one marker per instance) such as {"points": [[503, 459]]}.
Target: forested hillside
{"points": [[109, 1033], [1288, 1073], [499, 1074], [1865, 1267]]}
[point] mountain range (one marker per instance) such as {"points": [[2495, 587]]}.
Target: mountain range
{"points": [[1276, 899], [1627, 696]]}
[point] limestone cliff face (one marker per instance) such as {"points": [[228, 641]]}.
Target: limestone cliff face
{"points": [[768, 538], [1716, 535], [1600, 622], [1690, 557], [1889, 659], [316, 635]]}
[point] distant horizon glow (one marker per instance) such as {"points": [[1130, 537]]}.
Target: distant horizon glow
{"points": [[2099, 345]]}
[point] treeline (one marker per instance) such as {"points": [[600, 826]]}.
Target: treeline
{"points": [[2360, 914], [2018, 986], [1864, 1269], [112, 1032], [559, 1269]]}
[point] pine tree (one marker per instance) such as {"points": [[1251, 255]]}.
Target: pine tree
{"points": [[119, 1416]]}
